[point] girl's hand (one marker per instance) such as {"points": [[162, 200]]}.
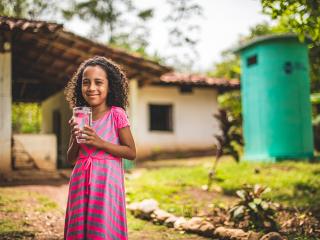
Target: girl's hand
{"points": [[90, 137], [74, 128]]}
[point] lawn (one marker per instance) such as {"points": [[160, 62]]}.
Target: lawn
{"points": [[294, 184], [178, 187]]}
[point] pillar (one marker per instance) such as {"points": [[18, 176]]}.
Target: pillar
{"points": [[133, 106], [5, 107]]}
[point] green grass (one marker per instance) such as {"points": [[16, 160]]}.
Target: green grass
{"points": [[46, 204], [12, 210], [11, 200], [292, 183], [165, 185], [14, 204]]}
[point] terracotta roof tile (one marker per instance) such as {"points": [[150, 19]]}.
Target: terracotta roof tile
{"points": [[197, 79], [11, 23]]}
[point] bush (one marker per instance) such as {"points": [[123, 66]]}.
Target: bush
{"points": [[252, 207]]}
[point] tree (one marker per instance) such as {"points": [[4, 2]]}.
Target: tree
{"points": [[119, 19], [26, 118], [32, 9], [183, 32], [229, 67], [126, 26], [302, 16]]}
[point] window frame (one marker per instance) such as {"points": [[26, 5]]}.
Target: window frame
{"points": [[170, 106]]}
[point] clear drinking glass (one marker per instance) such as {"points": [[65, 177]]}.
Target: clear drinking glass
{"points": [[82, 116]]}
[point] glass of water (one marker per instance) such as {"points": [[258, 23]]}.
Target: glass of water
{"points": [[82, 116]]}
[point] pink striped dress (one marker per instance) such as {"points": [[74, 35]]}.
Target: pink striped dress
{"points": [[96, 207]]}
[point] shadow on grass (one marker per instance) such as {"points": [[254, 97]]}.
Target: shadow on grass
{"points": [[51, 182], [305, 196], [17, 235]]}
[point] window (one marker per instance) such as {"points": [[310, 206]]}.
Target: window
{"points": [[160, 117], [185, 89], [253, 60]]}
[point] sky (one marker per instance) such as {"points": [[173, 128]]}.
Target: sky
{"points": [[223, 22]]}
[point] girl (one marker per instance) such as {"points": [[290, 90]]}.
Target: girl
{"points": [[96, 200]]}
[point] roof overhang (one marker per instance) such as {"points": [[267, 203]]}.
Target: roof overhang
{"points": [[197, 80], [45, 56]]}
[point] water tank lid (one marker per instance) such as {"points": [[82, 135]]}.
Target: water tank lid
{"points": [[265, 38]]}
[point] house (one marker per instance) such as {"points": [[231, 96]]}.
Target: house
{"points": [[168, 111]]}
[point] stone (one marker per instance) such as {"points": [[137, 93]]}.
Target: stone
{"points": [[206, 229], [169, 222], [229, 233], [160, 215], [198, 225], [272, 236], [148, 205], [143, 209], [254, 235], [179, 222], [133, 206], [193, 224]]}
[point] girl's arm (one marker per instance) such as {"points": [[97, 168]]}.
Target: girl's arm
{"points": [[126, 149], [73, 150]]}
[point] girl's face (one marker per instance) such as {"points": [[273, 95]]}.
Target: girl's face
{"points": [[94, 85]]}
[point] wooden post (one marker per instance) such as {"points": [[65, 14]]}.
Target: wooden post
{"points": [[5, 107]]}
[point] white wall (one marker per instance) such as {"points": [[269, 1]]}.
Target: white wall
{"points": [[57, 101], [194, 126], [41, 147]]}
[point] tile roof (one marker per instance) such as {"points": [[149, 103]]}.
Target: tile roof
{"points": [[198, 80], [45, 56]]}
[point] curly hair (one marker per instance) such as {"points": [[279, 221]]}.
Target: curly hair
{"points": [[118, 84]]}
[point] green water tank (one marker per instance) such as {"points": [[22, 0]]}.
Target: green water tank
{"points": [[275, 90]]}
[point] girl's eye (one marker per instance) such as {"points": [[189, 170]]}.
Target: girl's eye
{"points": [[85, 82]]}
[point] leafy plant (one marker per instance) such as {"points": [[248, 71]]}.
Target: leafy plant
{"points": [[26, 117], [252, 207], [229, 139]]}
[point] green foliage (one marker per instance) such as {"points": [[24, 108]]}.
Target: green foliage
{"points": [[230, 139], [32, 9], [183, 32], [231, 102], [229, 66], [302, 16], [260, 212], [108, 16], [26, 118]]}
